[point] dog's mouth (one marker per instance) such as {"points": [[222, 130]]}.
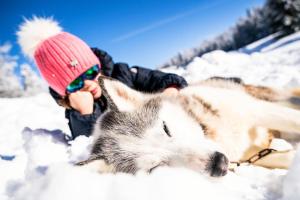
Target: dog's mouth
{"points": [[218, 165]]}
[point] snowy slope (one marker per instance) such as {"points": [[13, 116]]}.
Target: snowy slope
{"points": [[36, 156], [272, 63]]}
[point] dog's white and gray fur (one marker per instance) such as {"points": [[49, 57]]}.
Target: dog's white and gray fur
{"points": [[202, 128]]}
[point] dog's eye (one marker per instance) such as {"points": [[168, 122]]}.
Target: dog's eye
{"points": [[153, 168], [163, 163], [166, 129]]}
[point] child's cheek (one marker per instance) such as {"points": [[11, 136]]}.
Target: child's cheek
{"points": [[97, 93]]}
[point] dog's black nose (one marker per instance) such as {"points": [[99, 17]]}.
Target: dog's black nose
{"points": [[218, 165]]}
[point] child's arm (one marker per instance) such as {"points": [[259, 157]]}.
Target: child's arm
{"points": [[107, 63], [139, 78], [147, 80], [156, 80]]}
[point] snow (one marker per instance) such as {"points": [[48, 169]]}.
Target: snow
{"points": [[259, 45], [278, 64], [37, 155]]}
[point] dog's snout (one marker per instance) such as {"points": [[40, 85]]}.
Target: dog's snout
{"points": [[219, 165]]}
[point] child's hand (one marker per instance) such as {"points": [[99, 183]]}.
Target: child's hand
{"points": [[82, 101], [171, 91]]}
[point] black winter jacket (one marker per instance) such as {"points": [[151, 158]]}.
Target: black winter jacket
{"points": [[136, 77]]}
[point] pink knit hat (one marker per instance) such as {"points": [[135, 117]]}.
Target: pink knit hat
{"points": [[61, 57]]}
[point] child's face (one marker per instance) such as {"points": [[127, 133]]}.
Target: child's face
{"points": [[85, 81], [93, 87]]}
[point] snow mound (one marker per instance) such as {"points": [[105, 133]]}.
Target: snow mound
{"points": [[45, 171]]}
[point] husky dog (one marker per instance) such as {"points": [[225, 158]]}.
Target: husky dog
{"points": [[204, 128]]}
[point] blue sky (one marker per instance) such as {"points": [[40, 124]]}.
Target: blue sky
{"points": [[139, 32]]}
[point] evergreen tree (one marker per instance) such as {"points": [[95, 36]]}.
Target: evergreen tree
{"points": [[32, 83], [283, 15], [9, 82]]}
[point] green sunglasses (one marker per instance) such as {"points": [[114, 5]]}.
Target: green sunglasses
{"points": [[78, 83]]}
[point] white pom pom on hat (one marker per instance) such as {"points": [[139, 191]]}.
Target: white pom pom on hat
{"points": [[32, 32]]}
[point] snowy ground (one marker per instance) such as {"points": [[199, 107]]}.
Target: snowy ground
{"points": [[36, 157]]}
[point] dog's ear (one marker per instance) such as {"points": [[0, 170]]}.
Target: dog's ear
{"points": [[119, 96]]}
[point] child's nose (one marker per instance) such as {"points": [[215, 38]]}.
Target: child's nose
{"points": [[87, 83]]}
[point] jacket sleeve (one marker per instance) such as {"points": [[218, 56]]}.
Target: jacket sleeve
{"points": [[138, 78], [82, 124], [154, 80], [107, 63], [79, 124]]}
